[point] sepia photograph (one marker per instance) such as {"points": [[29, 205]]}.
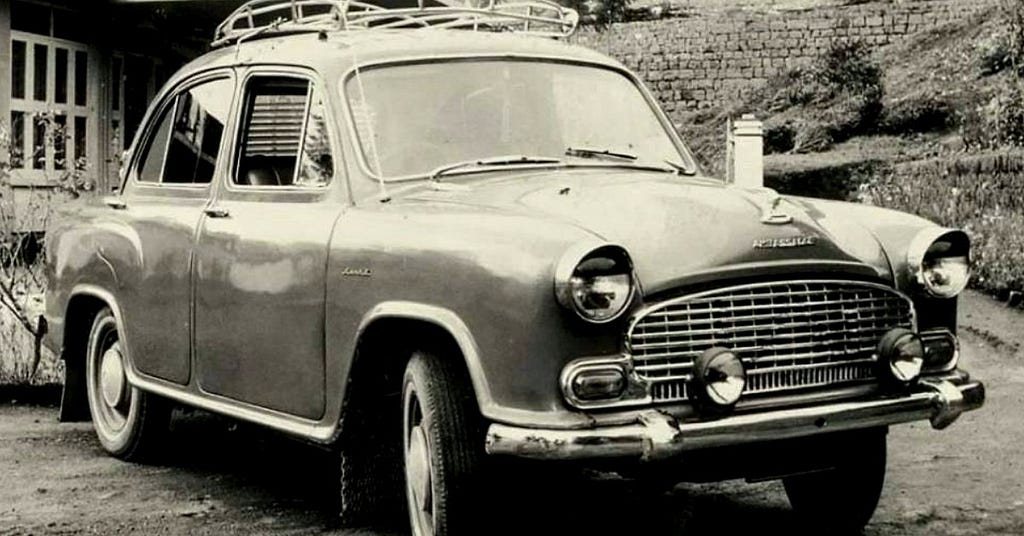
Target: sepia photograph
{"points": [[511, 267]]}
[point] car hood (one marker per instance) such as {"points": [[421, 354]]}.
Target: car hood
{"points": [[681, 230]]}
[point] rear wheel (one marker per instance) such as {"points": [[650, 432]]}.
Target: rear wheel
{"points": [[442, 448], [129, 422], [842, 499]]}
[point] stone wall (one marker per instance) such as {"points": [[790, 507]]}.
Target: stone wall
{"points": [[712, 52]]}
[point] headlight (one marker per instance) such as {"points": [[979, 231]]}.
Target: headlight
{"points": [[939, 261], [597, 285], [718, 378], [901, 356]]}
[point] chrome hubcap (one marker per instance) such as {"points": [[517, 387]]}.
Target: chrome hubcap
{"points": [[419, 485], [112, 380], [418, 468]]}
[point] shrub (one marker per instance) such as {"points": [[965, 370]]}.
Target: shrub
{"points": [[836, 97], [599, 13], [994, 54], [840, 181], [848, 67], [779, 138], [1004, 49], [918, 114], [997, 123]]}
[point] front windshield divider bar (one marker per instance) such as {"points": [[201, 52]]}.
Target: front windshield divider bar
{"points": [[265, 18]]}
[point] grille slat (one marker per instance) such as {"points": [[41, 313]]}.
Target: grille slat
{"points": [[804, 355], [739, 329], [732, 310], [790, 334], [753, 338]]}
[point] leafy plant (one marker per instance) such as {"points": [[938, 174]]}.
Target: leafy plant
{"points": [[22, 279], [917, 114], [599, 13], [996, 123]]}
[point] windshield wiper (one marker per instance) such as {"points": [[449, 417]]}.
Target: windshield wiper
{"points": [[632, 159], [506, 160], [681, 169], [588, 152]]}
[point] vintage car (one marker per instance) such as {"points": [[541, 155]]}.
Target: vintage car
{"points": [[432, 246]]}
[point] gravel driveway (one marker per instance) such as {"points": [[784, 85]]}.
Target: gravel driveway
{"points": [[224, 478]]}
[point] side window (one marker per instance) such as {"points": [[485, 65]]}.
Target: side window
{"points": [[185, 146], [152, 167], [284, 139]]}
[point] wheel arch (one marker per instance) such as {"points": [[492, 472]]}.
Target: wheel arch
{"points": [[395, 329]]}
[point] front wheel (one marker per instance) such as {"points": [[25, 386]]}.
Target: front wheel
{"points": [[129, 422], [442, 448], [842, 499]]}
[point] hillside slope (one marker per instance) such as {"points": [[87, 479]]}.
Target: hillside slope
{"points": [[937, 94]]}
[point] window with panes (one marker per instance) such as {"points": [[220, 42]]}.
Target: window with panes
{"points": [[51, 126]]}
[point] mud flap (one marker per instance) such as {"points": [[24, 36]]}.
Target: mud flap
{"points": [[74, 404]]}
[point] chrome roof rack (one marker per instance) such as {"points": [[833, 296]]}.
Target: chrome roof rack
{"points": [[258, 18]]}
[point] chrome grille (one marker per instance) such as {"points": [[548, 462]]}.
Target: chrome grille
{"points": [[790, 334]]}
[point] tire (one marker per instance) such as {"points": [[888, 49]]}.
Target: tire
{"points": [[442, 447], [129, 423], [841, 500]]}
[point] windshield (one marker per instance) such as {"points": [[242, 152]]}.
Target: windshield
{"points": [[414, 118]]}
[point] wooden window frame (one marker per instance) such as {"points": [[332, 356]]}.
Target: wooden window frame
{"points": [[27, 176]]}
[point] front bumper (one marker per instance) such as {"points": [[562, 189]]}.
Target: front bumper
{"points": [[658, 435]]}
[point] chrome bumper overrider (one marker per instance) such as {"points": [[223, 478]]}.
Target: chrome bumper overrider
{"points": [[658, 435]]}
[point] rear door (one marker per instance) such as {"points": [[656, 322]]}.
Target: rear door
{"points": [[168, 188], [261, 259]]}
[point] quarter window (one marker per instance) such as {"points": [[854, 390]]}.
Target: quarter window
{"points": [[186, 143], [284, 139]]}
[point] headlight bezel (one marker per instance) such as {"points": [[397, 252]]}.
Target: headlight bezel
{"points": [[922, 258], [567, 278]]}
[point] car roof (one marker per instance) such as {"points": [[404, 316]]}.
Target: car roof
{"points": [[339, 51]]}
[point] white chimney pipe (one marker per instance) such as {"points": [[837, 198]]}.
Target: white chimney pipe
{"points": [[745, 152]]}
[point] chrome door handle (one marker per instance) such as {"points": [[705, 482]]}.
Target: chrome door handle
{"points": [[214, 212]]}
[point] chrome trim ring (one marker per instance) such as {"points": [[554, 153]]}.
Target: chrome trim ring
{"points": [[566, 266], [917, 250]]}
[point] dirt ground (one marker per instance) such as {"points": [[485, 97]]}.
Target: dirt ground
{"points": [[224, 478]]}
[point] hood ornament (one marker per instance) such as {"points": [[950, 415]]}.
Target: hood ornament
{"points": [[771, 211]]}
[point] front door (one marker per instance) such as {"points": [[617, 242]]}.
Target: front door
{"points": [[261, 258], [167, 191]]}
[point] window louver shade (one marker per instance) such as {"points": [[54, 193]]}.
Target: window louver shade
{"points": [[276, 125]]}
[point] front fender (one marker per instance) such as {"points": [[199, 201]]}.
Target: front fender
{"points": [[487, 280]]}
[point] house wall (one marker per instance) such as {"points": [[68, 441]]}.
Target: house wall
{"points": [[5, 68], [717, 51], [125, 68]]}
